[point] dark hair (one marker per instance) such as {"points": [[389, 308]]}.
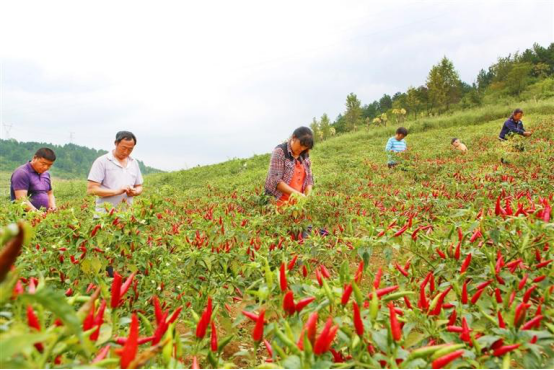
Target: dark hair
{"points": [[402, 131], [46, 153], [125, 135], [516, 111], [305, 135], [453, 140]]}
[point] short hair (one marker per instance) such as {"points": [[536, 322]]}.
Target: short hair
{"points": [[453, 140], [125, 135], [46, 153], [516, 111], [305, 135], [402, 131]]}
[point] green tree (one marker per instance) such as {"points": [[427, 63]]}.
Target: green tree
{"points": [[443, 83], [325, 126], [518, 78], [385, 103], [315, 129], [353, 114], [412, 101]]}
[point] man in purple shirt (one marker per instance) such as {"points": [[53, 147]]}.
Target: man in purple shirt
{"points": [[32, 181]]}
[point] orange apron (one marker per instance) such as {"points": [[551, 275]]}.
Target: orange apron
{"points": [[296, 182]]}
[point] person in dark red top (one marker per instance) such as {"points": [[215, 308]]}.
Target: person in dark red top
{"points": [[290, 167], [33, 180]]}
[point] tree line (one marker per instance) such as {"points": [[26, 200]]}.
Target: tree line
{"points": [[527, 75], [72, 161]]}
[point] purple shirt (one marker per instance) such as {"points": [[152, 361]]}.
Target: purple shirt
{"points": [[37, 185]]}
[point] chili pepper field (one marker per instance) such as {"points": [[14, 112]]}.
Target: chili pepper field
{"points": [[443, 262]]}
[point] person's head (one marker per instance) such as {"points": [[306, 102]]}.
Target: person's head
{"points": [[125, 142], [401, 133], [302, 140], [517, 115], [43, 159], [455, 142]]}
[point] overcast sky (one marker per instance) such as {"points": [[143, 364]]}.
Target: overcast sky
{"points": [[205, 81]]}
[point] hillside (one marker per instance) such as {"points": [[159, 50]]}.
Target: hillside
{"points": [[448, 250], [73, 161]]}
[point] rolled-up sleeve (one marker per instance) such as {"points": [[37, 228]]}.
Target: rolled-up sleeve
{"points": [[276, 172]]}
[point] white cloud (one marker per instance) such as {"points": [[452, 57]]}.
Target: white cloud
{"points": [[200, 82]]}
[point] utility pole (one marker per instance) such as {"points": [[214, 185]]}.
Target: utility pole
{"points": [[7, 129], [71, 137], [1, 97]]}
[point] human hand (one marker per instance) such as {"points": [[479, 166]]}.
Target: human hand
{"points": [[131, 192], [527, 133]]}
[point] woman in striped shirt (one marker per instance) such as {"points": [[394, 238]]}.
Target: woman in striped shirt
{"points": [[396, 144], [290, 167]]}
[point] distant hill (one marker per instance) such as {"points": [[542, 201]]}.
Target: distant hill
{"points": [[72, 161]]}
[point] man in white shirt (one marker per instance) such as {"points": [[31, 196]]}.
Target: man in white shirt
{"points": [[115, 177]]}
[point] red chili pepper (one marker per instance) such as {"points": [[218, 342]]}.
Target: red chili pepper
{"points": [[423, 304], [95, 230], [521, 310], [318, 277], [476, 296], [98, 321], [213, 339], [460, 234], [125, 287], [464, 336], [321, 341], [258, 332], [116, 291], [522, 282], [465, 264], [195, 363], [157, 310], [304, 271], [534, 322], [292, 263], [130, 348], [484, 284], [452, 318], [101, 354], [454, 329], [283, 278], [415, 232], [528, 292], [288, 303], [377, 279], [175, 315], [498, 295], [269, 348], [441, 253], [251, 315], [324, 272], [359, 273], [464, 292], [401, 230], [505, 349], [358, 323], [202, 325], [88, 322], [441, 362], [346, 294], [438, 307], [394, 324], [32, 319], [538, 279], [384, 291], [501, 322], [311, 327], [476, 235], [543, 264], [402, 271], [458, 251], [408, 303], [303, 303]]}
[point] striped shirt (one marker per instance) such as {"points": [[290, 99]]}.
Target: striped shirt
{"points": [[395, 146]]}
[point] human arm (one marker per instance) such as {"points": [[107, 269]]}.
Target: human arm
{"points": [[135, 191], [51, 201], [276, 172], [308, 190], [286, 189], [388, 147], [94, 188], [22, 196]]}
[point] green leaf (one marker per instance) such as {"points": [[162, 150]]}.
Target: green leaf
{"points": [[12, 344], [55, 301], [292, 362]]}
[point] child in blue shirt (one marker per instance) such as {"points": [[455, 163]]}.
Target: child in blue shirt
{"points": [[396, 144]]}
